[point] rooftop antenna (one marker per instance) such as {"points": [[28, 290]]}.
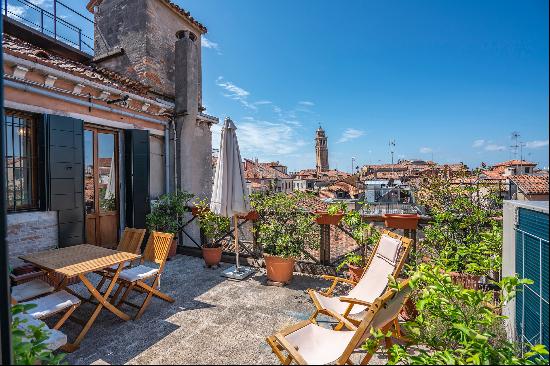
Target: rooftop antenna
{"points": [[515, 146], [392, 151]]}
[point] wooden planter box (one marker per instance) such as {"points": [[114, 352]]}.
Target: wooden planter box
{"points": [[324, 218], [405, 222]]}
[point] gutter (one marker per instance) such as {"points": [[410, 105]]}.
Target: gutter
{"points": [[32, 89], [77, 79]]}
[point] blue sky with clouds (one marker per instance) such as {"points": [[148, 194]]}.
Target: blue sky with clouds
{"points": [[444, 79]]}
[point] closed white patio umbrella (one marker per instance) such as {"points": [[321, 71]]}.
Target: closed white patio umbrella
{"points": [[230, 194]]}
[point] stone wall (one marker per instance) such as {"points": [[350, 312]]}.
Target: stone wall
{"points": [[31, 232]]}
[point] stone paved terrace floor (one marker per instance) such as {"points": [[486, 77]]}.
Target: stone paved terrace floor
{"points": [[213, 321]]}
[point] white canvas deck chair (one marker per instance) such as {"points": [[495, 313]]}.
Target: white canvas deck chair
{"points": [[307, 343], [388, 258]]}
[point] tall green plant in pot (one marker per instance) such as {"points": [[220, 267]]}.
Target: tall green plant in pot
{"points": [[213, 227], [169, 215], [365, 234], [284, 230]]}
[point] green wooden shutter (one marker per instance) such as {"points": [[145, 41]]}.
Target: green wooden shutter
{"points": [[532, 262], [64, 183], [137, 177]]}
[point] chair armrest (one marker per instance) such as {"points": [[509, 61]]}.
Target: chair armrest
{"points": [[335, 282], [355, 301], [343, 320]]}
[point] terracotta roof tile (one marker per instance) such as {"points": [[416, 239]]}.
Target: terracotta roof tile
{"points": [[514, 163], [531, 184], [17, 47]]}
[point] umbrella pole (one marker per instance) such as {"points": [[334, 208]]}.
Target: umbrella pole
{"points": [[236, 224]]}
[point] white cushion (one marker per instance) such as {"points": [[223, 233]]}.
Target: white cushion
{"points": [[138, 273], [389, 248], [51, 304], [56, 339], [29, 290]]}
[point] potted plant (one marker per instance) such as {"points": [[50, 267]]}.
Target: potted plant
{"points": [[332, 216], [213, 227], [355, 264], [365, 235], [284, 231], [168, 215]]}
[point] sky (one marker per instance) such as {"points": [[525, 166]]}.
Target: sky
{"points": [[447, 80]]}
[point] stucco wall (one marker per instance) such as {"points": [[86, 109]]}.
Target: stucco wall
{"points": [[31, 232]]}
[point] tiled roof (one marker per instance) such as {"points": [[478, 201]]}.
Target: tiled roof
{"points": [[255, 170], [19, 48], [176, 7], [493, 174], [514, 163], [531, 184]]}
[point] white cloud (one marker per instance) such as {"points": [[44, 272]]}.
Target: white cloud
{"points": [[235, 92], [426, 150], [16, 10], [478, 143], [206, 43], [306, 103], [536, 144], [350, 134], [495, 147], [264, 139]]}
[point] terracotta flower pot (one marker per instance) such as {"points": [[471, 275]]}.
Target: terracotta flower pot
{"points": [[251, 216], [398, 221], [468, 281], [324, 218], [355, 272], [409, 311], [279, 269], [212, 256]]}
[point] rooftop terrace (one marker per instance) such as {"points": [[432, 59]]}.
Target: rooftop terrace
{"points": [[213, 321]]}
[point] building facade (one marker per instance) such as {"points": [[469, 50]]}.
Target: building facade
{"points": [[93, 139]]}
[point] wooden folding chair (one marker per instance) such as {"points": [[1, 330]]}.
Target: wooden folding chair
{"points": [[387, 258], [131, 279], [52, 304], [130, 243], [309, 343]]}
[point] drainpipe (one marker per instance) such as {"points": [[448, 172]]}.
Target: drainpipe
{"points": [[167, 159], [32, 89]]}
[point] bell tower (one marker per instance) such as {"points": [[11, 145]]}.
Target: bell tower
{"points": [[321, 150]]}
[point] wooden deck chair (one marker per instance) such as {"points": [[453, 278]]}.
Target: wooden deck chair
{"points": [[130, 243], [309, 343], [133, 278], [387, 258]]}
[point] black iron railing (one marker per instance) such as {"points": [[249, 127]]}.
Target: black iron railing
{"points": [[53, 22]]}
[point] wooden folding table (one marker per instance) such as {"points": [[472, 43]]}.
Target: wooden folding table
{"points": [[78, 261]]}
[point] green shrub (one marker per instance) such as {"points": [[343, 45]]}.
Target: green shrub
{"points": [[284, 228], [457, 326], [29, 343], [168, 214], [213, 226]]}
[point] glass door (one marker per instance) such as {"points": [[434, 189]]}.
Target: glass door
{"points": [[101, 186]]}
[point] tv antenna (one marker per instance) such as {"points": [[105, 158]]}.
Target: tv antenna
{"points": [[392, 149], [515, 147]]}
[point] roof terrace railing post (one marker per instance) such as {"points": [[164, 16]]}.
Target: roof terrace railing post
{"points": [[6, 354], [42, 20], [6, 7], [80, 39], [324, 248]]}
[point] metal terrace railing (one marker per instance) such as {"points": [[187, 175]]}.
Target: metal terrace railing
{"points": [[53, 22]]}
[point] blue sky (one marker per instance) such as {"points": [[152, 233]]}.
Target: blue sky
{"points": [[445, 79]]}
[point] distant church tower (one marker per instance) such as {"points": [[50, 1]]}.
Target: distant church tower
{"points": [[321, 150]]}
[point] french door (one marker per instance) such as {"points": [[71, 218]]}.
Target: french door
{"points": [[101, 186]]}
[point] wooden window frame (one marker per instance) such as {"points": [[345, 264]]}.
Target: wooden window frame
{"points": [[33, 159]]}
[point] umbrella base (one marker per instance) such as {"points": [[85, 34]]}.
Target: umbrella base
{"points": [[241, 274]]}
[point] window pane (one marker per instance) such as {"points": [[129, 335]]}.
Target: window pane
{"points": [[89, 190], [20, 161], [107, 172]]}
